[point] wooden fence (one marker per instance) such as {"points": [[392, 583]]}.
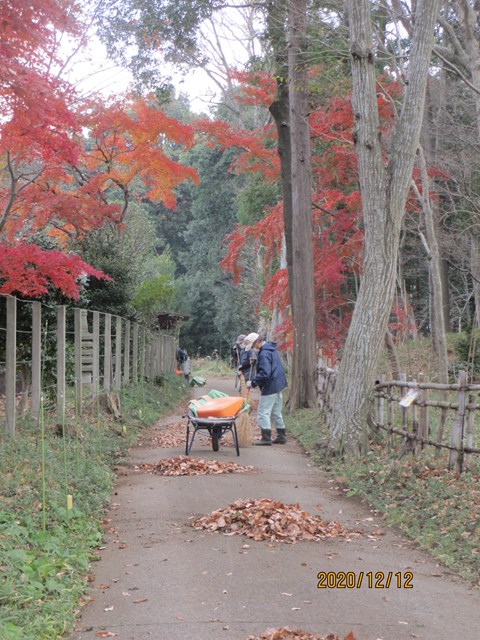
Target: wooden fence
{"points": [[419, 412], [430, 414], [88, 351], [326, 378]]}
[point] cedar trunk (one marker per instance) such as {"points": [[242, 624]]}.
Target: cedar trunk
{"points": [[303, 378], [280, 110]]}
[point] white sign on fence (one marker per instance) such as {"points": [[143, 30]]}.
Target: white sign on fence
{"points": [[408, 398]]}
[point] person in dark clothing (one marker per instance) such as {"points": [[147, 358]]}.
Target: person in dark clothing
{"points": [[248, 359], [181, 357], [271, 380], [237, 350]]}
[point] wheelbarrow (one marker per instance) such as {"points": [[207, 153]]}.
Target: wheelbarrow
{"points": [[212, 418]]}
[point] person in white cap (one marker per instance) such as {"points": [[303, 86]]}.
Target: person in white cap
{"points": [[270, 379]]}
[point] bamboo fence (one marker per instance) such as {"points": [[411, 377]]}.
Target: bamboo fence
{"points": [[417, 413], [430, 414]]}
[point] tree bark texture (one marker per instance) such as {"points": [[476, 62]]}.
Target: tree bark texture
{"points": [[303, 379], [468, 18], [440, 339], [384, 190], [280, 110], [281, 115]]}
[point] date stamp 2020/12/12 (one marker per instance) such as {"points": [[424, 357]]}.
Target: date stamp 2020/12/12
{"points": [[368, 579]]}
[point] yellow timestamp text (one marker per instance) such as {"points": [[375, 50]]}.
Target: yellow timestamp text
{"points": [[368, 579]]}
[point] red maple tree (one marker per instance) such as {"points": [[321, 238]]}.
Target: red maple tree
{"points": [[336, 202], [338, 237], [66, 161]]}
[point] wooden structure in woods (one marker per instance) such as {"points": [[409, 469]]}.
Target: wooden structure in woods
{"points": [[170, 321]]}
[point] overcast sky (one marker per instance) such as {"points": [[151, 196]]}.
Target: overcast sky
{"points": [[92, 71]]}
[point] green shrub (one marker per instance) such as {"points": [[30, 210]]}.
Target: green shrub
{"points": [[45, 548]]}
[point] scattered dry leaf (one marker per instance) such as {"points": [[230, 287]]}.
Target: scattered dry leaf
{"points": [[284, 633], [186, 466], [272, 520], [168, 440]]}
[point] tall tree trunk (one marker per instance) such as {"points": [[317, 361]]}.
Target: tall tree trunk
{"points": [[433, 254], [437, 136], [303, 380], [469, 17], [280, 110], [303, 391], [281, 115], [384, 190], [431, 145], [475, 269]]}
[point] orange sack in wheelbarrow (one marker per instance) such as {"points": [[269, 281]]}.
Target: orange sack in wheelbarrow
{"points": [[224, 407]]}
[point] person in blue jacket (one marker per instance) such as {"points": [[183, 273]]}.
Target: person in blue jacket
{"points": [[271, 380]]}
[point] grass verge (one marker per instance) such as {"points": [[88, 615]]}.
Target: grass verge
{"points": [[434, 507], [46, 547], [206, 368]]}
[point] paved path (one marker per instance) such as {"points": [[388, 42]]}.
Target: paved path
{"points": [[159, 579]]}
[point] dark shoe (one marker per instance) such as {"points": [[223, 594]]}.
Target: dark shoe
{"points": [[280, 439], [266, 440]]}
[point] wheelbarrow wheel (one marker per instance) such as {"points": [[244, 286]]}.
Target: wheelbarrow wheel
{"points": [[216, 439]]}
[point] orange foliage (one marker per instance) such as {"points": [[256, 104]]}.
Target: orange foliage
{"points": [[336, 202], [129, 141], [52, 178], [257, 150]]}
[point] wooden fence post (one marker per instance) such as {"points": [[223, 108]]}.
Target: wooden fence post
{"points": [[403, 410], [469, 431], [135, 354], [61, 373], [422, 412], [415, 429], [156, 356], [11, 364], [36, 359], [442, 422], [96, 354], [390, 416], [78, 360], [126, 355], [143, 347], [380, 404], [107, 353], [117, 377], [148, 358], [456, 457]]}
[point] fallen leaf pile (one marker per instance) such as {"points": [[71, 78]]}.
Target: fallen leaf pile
{"points": [[270, 520], [185, 466], [287, 634]]}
